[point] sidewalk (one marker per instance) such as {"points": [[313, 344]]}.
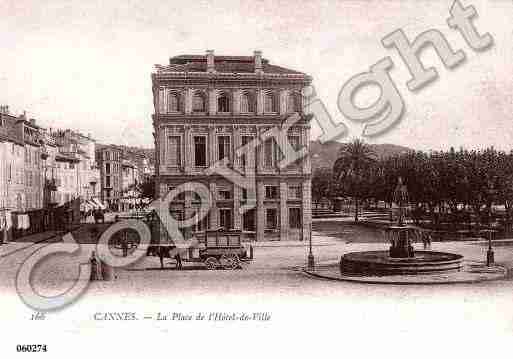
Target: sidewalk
{"points": [[47, 236], [317, 241]]}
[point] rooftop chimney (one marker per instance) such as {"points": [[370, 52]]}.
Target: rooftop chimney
{"points": [[210, 61], [4, 109], [258, 62]]}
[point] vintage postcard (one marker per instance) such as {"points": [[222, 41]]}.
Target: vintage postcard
{"points": [[256, 179]]}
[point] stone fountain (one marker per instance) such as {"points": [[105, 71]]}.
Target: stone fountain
{"points": [[400, 234], [400, 258]]}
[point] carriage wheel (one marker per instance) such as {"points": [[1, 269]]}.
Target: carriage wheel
{"points": [[235, 262], [212, 263], [230, 261]]}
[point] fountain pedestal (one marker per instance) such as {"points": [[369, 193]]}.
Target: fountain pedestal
{"points": [[399, 238]]}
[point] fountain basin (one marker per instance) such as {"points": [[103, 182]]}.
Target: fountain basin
{"points": [[380, 263]]}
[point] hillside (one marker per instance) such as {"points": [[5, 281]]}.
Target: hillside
{"points": [[325, 155]]}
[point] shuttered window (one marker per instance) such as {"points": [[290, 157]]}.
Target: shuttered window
{"points": [[270, 153], [294, 217], [270, 103], [294, 192], [174, 151], [198, 103], [223, 143], [271, 218], [247, 104], [293, 102], [200, 151], [173, 102], [223, 103]]}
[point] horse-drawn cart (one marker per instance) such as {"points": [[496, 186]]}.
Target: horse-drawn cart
{"points": [[223, 249], [217, 249]]}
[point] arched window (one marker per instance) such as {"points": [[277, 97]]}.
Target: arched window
{"points": [[293, 102], [270, 103], [223, 103], [173, 102], [247, 105], [198, 102]]}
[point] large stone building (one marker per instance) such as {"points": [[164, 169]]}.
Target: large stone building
{"points": [[206, 107]]}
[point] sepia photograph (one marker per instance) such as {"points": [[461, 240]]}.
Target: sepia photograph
{"points": [[286, 178]]}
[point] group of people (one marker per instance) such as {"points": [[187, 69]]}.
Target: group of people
{"points": [[97, 213]]}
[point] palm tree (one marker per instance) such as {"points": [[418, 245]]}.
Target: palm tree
{"points": [[351, 168]]}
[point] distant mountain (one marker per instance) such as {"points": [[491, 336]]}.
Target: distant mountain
{"points": [[325, 154]]}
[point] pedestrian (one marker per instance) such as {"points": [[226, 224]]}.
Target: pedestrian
{"points": [[107, 272], [428, 240], [178, 261], [96, 270]]}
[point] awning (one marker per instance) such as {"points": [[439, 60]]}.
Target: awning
{"points": [[98, 203], [92, 204]]}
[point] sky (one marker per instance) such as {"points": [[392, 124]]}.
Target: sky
{"points": [[87, 65]]}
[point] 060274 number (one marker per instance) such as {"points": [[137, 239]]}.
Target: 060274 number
{"points": [[31, 348]]}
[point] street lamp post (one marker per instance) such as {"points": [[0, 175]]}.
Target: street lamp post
{"points": [[489, 253], [311, 261]]}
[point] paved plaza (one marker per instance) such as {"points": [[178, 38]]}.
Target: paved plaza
{"points": [[277, 267]]}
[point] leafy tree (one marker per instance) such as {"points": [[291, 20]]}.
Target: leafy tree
{"points": [[353, 169], [321, 184]]}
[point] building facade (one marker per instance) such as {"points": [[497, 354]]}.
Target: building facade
{"points": [[206, 107], [147, 169], [109, 160], [20, 150], [130, 175], [70, 170]]}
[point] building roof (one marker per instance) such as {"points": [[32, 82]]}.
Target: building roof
{"points": [[10, 132], [223, 64], [30, 123]]}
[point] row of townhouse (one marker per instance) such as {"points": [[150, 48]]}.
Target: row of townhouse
{"points": [[71, 171], [44, 167], [40, 167]]}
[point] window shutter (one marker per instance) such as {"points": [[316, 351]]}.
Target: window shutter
{"points": [[174, 151]]}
